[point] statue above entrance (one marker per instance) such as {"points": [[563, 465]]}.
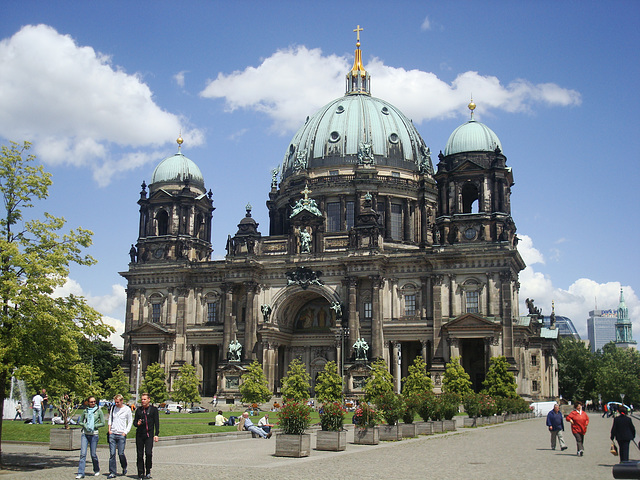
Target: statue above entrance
{"points": [[361, 347], [235, 351]]}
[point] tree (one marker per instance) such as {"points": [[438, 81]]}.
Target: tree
{"points": [[39, 333], [418, 380], [455, 379], [618, 373], [295, 386], [185, 388], [155, 383], [499, 381], [254, 388], [100, 355], [329, 384], [577, 370], [117, 383], [380, 381]]}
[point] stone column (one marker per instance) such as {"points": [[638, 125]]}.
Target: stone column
{"points": [[507, 323], [270, 362], [454, 347], [229, 321], [354, 327], [376, 322], [251, 323], [406, 221], [395, 366], [438, 353]]}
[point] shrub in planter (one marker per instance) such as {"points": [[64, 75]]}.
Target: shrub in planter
{"points": [[426, 405], [295, 418], [411, 403], [448, 404], [471, 404], [365, 416], [332, 417], [487, 405], [391, 407]]}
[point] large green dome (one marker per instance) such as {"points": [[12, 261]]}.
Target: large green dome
{"points": [[175, 170], [472, 137]]}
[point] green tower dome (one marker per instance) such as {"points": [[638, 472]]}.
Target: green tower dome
{"points": [[177, 169], [472, 136]]}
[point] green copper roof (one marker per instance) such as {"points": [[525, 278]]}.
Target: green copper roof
{"points": [[472, 137], [176, 169]]}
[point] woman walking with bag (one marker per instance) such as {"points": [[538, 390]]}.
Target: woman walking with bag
{"points": [[579, 421]]}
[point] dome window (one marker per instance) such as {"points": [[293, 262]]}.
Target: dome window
{"points": [[393, 138], [385, 110], [340, 109], [334, 137]]}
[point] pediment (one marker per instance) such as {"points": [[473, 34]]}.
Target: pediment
{"points": [[233, 368], [160, 194], [471, 321], [468, 166], [150, 329]]}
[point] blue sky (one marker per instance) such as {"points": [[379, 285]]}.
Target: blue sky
{"points": [[103, 89]]}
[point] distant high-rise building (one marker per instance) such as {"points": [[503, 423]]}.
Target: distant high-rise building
{"points": [[624, 336], [601, 327]]}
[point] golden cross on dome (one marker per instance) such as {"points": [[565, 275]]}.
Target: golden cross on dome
{"points": [[306, 192], [358, 29]]}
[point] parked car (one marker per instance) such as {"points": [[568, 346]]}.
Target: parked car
{"points": [[197, 409]]}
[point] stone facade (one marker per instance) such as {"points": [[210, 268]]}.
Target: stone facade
{"points": [[365, 246]]}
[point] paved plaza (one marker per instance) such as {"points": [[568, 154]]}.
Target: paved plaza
{"points": [[513, 450]]}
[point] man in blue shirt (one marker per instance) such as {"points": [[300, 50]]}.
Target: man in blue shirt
{"points": [[556, 427], [248, 425]]}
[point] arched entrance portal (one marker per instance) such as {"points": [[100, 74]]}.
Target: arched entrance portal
{"points": [[473, 360]]}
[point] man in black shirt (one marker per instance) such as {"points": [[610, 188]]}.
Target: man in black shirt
{"points": [[147, 424]]}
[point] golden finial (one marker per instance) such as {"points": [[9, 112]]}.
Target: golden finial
{"points": [[472, 107], [358, 29], [179, 141]]}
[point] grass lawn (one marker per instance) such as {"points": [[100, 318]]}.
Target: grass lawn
{"points": [[170, 425]]}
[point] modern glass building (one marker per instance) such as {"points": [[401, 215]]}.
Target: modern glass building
{"points": [[601, 328], [564, 325]]}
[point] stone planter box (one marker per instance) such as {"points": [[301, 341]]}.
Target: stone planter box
{"points": [[500, 418], [449, 425], [424, 428], [293, 445], [61, 439], [331, 441], [438, 426], [486, 420], [408, 430], [390, 433], [366, 436], [472, 422], [493, 420]]}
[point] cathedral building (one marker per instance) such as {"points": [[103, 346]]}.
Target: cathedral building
{"points": [[371, 253]]}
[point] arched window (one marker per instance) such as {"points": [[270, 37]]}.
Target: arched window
{"points": [[162, 219], [212, 309], [471, 290], [156, 301], [410, 300], [469, 198]]}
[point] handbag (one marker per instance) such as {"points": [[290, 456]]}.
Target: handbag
{"points": [[614, 450]]}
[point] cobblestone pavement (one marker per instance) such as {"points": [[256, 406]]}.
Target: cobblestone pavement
{"points": [[513, 450]]}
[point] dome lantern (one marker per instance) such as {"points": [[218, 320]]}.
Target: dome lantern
{"points": [[358, 79]]}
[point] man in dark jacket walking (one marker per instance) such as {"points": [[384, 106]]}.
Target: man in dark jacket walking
{"points": [[147, 422], [556, 427], [623, 432]]}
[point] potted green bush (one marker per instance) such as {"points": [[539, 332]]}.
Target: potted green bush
{"points": [[410, 406], [366, 431], [391, 408], [332, 436], [449, 406], [471, 405], [294, 419], [425, 403]]}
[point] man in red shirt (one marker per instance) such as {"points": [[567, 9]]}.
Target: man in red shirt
{"points": [[579, 421]]}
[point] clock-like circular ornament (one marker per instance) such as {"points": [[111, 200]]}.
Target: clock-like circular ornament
{"points": [[470, 233]]}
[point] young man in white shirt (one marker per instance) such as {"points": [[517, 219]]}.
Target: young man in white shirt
{"points": [[120, 422]]}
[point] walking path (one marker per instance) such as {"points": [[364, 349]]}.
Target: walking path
{"points": [[513, 450]]}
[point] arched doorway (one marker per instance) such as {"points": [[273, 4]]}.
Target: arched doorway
{"points": [[473, 360]]}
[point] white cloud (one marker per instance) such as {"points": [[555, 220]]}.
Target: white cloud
{"points": [[76, 107], [275, 88], [113, 303], [426, 24], [179, 78], [528, 252], [578, 300]]}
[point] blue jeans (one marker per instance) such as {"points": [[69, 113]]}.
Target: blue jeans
{"points": [[92, 442], [119, 442], [37, 416], [257, 431]]}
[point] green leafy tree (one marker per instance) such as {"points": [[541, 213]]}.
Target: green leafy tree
{"points": [[185, 388], [255, 388], [379, 383], [329, 384], [418, 380], [39, 334], [577, 370], [295, 386], [100, 355], [499, 381], [117, 383], [618, 373], [455, 379], [155, 383]]}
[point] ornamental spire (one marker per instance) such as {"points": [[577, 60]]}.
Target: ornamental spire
{"points": [[472, 107], [358, 79]]}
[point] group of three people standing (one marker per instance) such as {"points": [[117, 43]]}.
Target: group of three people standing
{"points": [[120, 421], [622, 430]]}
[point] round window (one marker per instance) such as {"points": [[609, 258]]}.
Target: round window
{"points": [[334, 136], [340, 109], [393, 138]]}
